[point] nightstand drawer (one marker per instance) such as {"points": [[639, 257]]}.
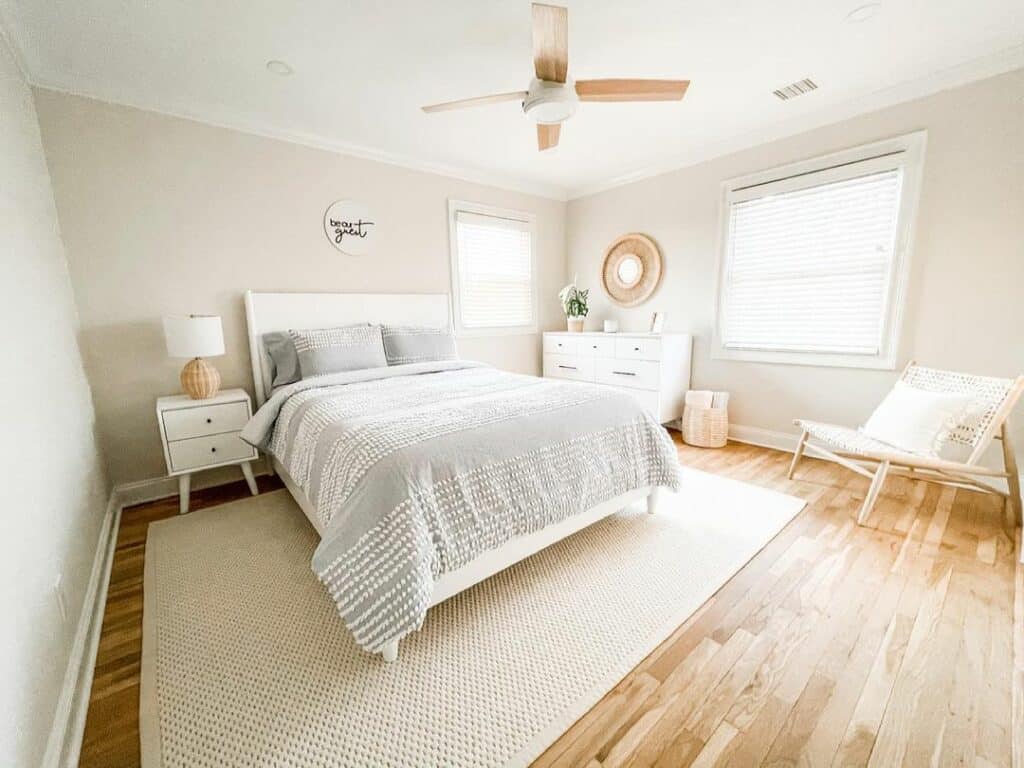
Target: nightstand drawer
{"points": [[201, 452], [201, 420]]}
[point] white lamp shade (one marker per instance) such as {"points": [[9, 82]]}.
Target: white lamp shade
{"points": [[194, 336]]}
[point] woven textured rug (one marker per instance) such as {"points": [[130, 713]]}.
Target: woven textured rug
{"points": [[245, 662]]}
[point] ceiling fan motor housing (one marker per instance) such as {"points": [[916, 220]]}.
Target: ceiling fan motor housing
{"points": [[550, 103]]}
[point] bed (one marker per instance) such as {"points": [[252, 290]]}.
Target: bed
{"points": [[424, 479]]}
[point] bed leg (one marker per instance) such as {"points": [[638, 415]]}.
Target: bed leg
{"points": [[652, 500], [390, 652]]}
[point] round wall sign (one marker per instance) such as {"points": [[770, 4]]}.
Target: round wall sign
{"points": [[631, 269], [350, 227]]}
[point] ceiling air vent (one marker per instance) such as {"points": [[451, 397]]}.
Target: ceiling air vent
{"points": [[799, 88]]}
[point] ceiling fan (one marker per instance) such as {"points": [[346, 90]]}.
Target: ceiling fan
{"points": [[553, 96]]}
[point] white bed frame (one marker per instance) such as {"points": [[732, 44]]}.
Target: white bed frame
{"points": [[267, 312]]}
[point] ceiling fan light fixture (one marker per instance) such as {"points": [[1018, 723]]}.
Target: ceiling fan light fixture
{"points": [[550, 103]]}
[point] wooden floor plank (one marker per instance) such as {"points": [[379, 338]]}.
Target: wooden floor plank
{"points": [[836, 644]]}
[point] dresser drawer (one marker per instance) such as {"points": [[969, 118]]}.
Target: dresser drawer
{"points": [[648, 400], [641, 374], [569, 367], [638, 349], [560, 345], [595, 347], [201, 420], [200, 452]]}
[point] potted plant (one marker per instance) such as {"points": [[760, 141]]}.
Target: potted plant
{"points": [[574, 302]]}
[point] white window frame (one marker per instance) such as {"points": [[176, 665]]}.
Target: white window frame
{"points": [[905, 152], [454, 207]]}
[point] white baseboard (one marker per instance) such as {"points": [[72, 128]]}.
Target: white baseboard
{"points": [[65, 742], [766, 438]]}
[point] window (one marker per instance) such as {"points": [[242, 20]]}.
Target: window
{"points": [[815, 258], [492, 270]]}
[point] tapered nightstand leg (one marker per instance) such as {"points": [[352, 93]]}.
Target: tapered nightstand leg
{"points": [[247, 471], [184, 488]]}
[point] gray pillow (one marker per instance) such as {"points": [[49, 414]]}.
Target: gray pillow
{"points": [[332, 350], [284, 361], [416, 344]]}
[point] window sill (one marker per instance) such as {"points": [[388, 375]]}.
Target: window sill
{"points": [[810, 359], [468, 333]]}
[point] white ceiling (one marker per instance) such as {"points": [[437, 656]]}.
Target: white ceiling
{"points": [[363, 68]]}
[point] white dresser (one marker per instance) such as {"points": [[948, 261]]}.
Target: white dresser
{"points": [[652, 367]]}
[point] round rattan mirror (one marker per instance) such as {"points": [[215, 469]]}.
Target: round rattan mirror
{"points": [[631, 270]]}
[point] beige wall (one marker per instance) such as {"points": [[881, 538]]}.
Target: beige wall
{"points": [[163, 216], [965, 308], [54, 491]]}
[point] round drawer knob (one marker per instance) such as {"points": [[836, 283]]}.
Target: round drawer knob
{"points": [[213, 450], [209, 421]]}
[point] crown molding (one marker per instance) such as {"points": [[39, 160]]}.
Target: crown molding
{"points": [[994, 64], [997, 63], [252, 127]]}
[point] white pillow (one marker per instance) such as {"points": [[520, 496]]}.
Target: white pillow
{"points": [[916, 420]]}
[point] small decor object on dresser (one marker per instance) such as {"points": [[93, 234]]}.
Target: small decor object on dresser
{"points": [[350, 227], [574, 302], [657, 322], [631, 269], [196, 336], [204, 435]]}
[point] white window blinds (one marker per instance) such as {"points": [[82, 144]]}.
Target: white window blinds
{"points": [[495, 271], [809, 262]]}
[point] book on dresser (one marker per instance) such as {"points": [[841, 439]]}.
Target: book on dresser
{"points": [[654, 368]]}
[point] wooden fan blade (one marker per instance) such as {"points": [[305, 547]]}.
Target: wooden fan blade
{"points": [[550, 42], [547, 136], [479, 101], [631, 90]]}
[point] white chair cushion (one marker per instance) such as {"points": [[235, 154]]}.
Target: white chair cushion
{"points": [[916, 420]]}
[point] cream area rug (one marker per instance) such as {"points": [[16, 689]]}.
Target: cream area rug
{"points": [[245, 662]]}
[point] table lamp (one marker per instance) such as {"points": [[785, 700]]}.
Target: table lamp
{"points": [[196, 336]]}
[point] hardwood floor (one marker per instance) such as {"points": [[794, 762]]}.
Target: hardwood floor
{"points": [[836, 645]]}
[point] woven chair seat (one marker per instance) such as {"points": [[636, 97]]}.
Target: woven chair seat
{"points": [[848, 440]]}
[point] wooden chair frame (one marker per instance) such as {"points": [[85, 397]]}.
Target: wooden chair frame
{"points": [[878, 465]]}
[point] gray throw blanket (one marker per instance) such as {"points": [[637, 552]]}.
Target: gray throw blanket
{"points": [[416, 470]]}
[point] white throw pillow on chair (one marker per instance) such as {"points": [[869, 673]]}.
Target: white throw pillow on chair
{"points": [[916, 420]]}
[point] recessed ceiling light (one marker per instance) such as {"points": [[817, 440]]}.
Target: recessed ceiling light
{"points": [[863, 12], [279, 67]]}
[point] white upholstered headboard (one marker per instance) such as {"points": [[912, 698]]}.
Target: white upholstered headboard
{"points": [[266, 312]]}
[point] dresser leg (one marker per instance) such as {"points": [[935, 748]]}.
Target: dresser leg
{"points": [[247, 471], [184, 487]]}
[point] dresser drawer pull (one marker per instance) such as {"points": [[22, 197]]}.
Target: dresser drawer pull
{"points": [[636, 349], [213, 450], [569, 367], [209, 421], [624, 373]]}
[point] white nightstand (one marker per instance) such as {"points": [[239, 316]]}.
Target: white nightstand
{"points": [[203, 434]]}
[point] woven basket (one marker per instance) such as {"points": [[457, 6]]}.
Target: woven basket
{"points": [[705, 427]]}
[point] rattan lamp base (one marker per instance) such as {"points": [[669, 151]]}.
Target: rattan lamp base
{"points": [[199, 379]]}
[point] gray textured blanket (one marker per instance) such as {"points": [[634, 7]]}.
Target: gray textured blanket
{"points": [[415, 470]]}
